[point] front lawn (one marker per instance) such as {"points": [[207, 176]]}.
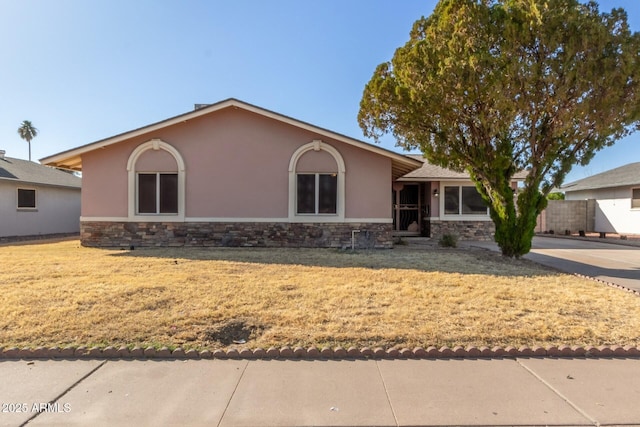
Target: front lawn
{"points": [[64, 294]]}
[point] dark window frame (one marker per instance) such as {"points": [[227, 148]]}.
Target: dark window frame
{"points": [[458, 191], [635, 201], [165, 198], [22, 195], [324, 196]]}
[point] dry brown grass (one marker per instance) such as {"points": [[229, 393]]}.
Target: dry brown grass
{"points": [[64, 294]]}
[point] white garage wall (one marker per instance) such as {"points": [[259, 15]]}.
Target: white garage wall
{"points": [[613, 209], [57, 211]]}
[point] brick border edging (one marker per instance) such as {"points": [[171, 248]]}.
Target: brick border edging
{"points": [[314, 353]]}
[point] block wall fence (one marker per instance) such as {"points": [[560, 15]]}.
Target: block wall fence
{"points": [[572, 215]]}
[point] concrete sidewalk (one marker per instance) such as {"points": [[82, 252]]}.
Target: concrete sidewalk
{"points": [[523, 391]]}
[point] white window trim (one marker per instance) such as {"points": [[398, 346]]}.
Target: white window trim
{"points": [[316, 145], [155, 144], [459, 216], [26, 208]]}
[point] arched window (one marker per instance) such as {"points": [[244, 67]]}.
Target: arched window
{"points": [[316, 184], [156, 182]]}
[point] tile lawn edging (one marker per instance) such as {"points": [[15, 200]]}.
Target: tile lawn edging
{"points": [[314, 353]]}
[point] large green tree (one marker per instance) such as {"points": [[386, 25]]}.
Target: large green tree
{"points": [[27, 132], [494, 87]]}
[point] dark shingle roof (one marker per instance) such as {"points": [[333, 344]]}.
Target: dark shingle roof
{"points": [[25, 171], [429, 171], [623, 176]]}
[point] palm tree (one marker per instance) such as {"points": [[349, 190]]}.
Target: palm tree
{"points": [[27, 132]]}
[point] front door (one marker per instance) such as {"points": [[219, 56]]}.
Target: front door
{"points": [[407, 213]]}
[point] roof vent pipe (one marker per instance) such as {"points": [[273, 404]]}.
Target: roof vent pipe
{"points": [[2, 153]]}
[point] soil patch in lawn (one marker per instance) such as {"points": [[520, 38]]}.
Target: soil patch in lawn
{"points": [[234, 331]]}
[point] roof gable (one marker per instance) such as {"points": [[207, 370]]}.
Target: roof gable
{"points": [[627, 175], [27, 172], [72, 159]]}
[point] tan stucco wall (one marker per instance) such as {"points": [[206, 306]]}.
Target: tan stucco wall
{"points": [[156, 161], [317, 161], [236, 165], [368, 186], [104, 176]]}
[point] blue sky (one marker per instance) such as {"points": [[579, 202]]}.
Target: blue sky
{"points": [[84, 70]]}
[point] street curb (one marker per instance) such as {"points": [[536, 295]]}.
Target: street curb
{"points": [[315, 353]]}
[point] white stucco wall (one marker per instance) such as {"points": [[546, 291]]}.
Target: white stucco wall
{"points": [[613, 209], [57, 211]]}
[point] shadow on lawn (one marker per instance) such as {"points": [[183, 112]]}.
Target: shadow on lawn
{"points": [[462, 261]]}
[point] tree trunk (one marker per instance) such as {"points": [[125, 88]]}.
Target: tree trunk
{"points": [[515, 229]]}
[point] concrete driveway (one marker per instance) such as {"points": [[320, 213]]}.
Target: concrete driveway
{"points": [[610, 262], [605, 261]]}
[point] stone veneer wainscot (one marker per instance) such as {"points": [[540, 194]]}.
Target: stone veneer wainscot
{"points": [[225, 234], [465, 230]]}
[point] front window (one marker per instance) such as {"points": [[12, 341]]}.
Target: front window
{"points": [[635, 198], [472, 203], [317, 193], [26, 199], [463, 200], [452, 200], [157, 193]]}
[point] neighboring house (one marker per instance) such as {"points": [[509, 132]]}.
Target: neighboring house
{"points": [[234, 174], [617, 198], [36, 199]]}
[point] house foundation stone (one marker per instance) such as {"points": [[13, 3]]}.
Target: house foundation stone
{"points": [[235, 234], [465, 230]]}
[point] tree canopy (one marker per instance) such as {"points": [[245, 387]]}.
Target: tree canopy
{"points": [[498, 86]]}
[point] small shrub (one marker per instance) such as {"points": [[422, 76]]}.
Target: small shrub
{"points": [[555, 196], [448, 241]]}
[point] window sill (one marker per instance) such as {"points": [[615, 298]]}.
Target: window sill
{"points": [[320, 218], [156, 218], [27, 210]]}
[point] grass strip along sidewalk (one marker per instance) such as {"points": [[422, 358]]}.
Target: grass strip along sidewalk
{"points": [[62, 294]]}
